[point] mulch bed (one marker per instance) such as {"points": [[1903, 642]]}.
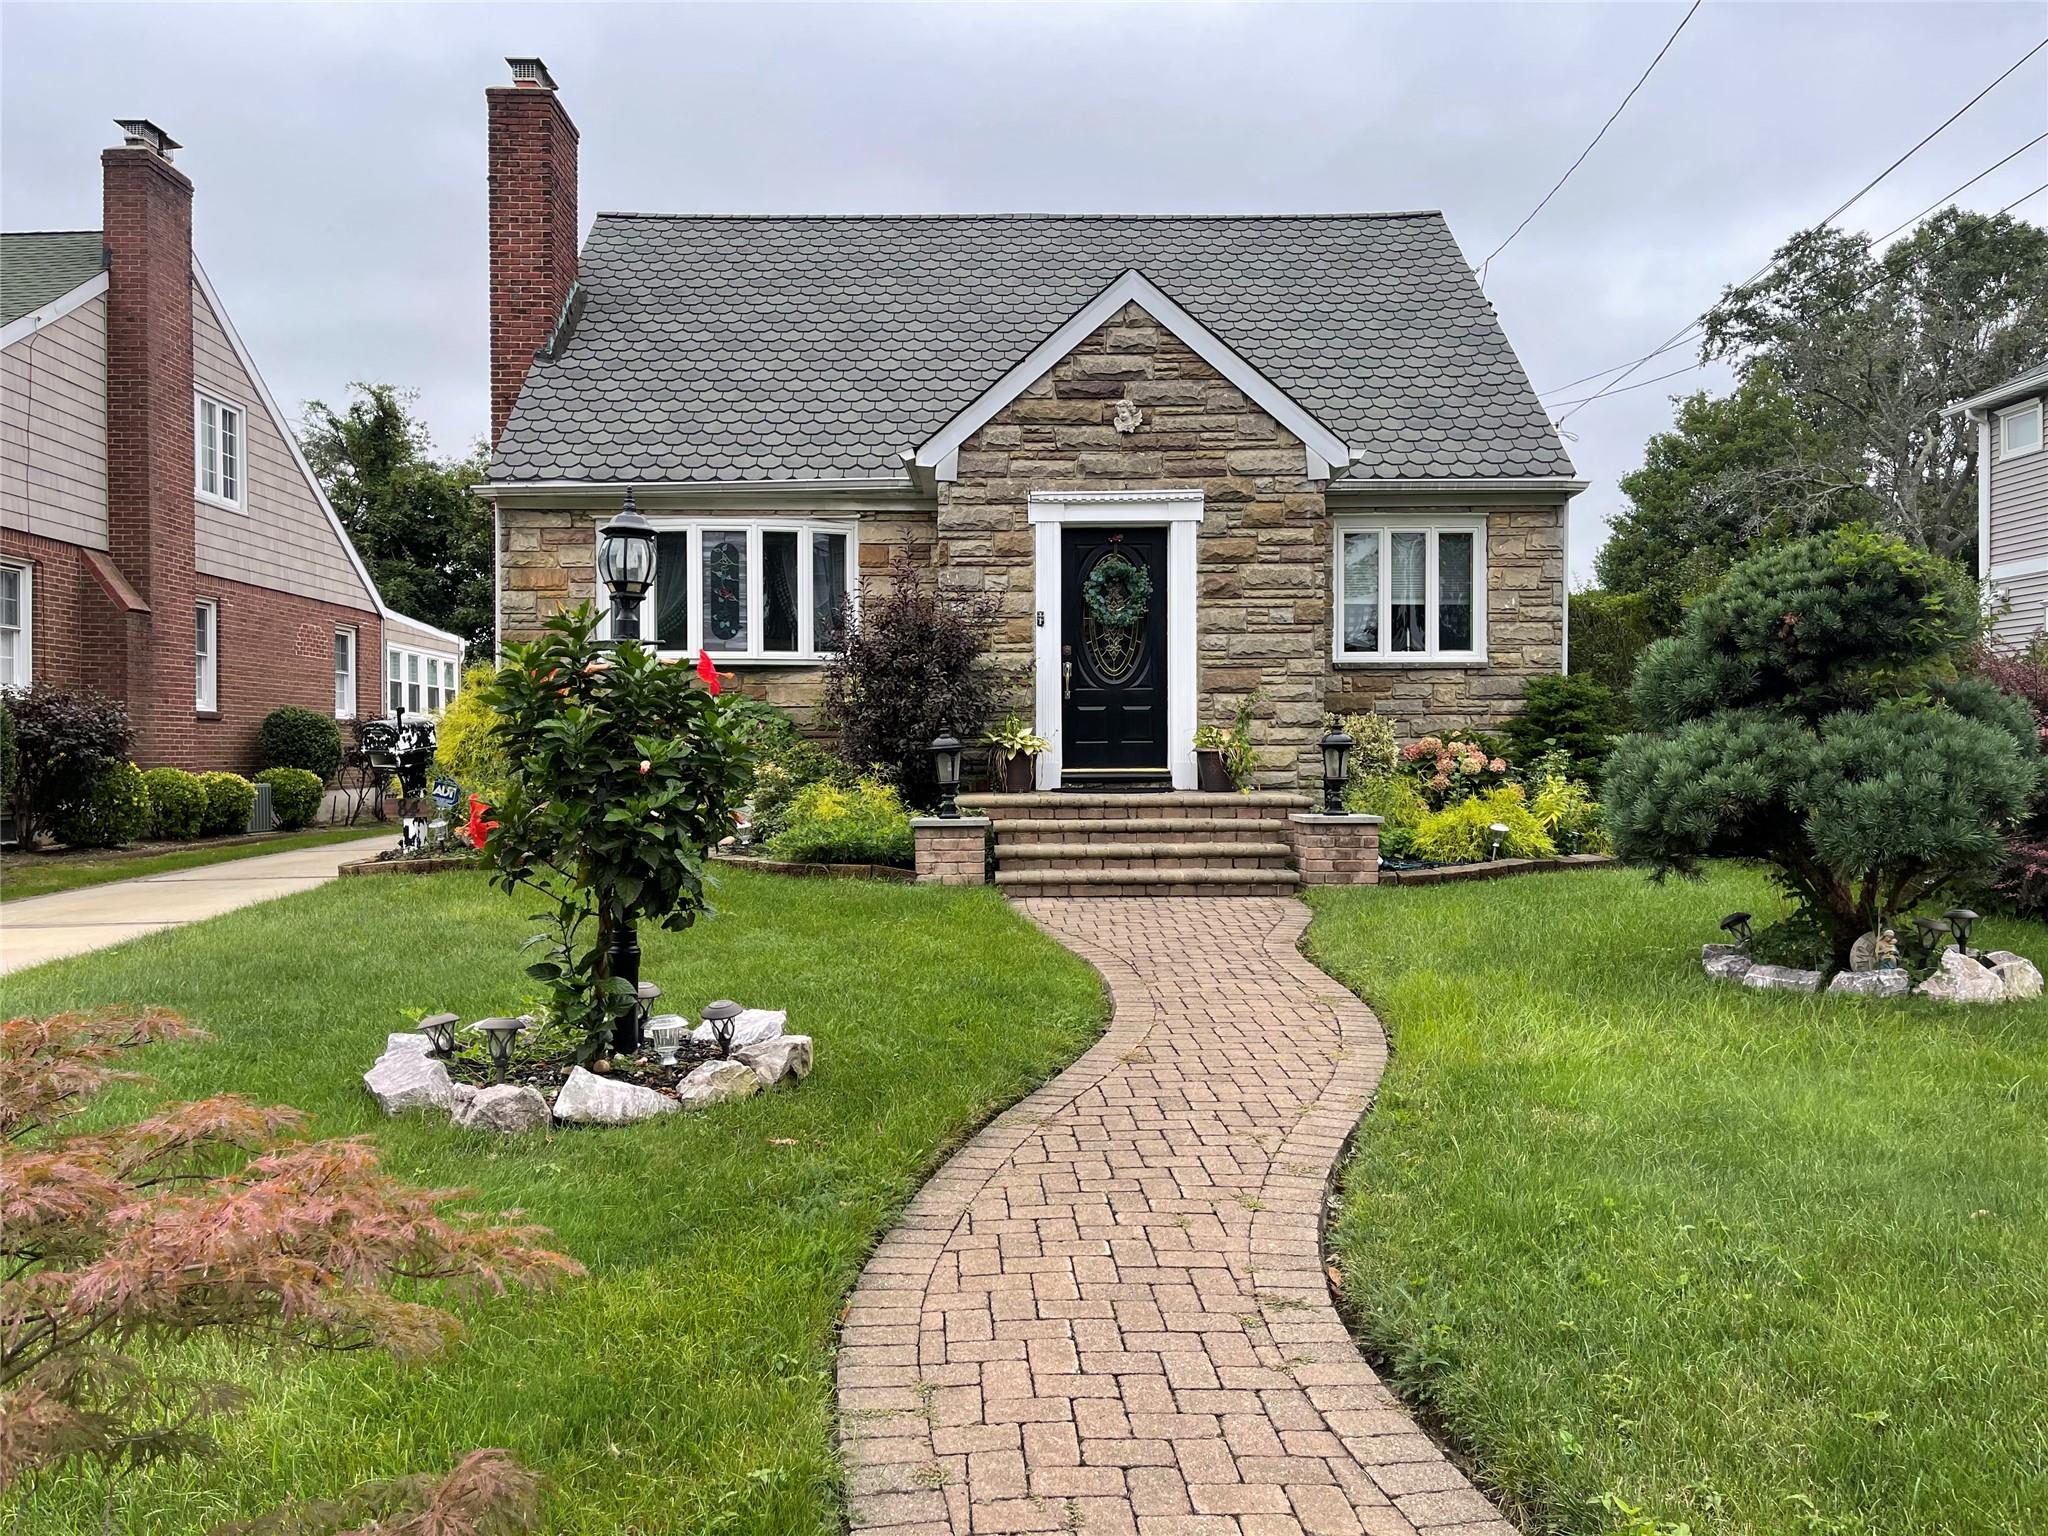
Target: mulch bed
{"points": [[548, 1074], [1493, 869], [434, 864]]}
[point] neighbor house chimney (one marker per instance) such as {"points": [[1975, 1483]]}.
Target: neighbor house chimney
{"points": [[533, 224], [147, 226]]}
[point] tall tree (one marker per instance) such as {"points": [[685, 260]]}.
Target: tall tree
{"points": [[1871, 347], [1731, 475], [425, 538]]}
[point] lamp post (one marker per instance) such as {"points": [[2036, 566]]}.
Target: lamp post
{"points": [[499, 1033], [1337, 747], [946, 769], [1736, 926], [625, 559], [1959, 922], [721, 1017]]}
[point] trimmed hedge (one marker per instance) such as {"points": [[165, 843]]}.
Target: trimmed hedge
{"points": [[295, 795], [229, 800], [177, 803], [291, 737], [113, 810]]}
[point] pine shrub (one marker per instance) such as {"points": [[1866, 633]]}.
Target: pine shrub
{"points": [[291, 737], [177, 803], [1573, 715]]}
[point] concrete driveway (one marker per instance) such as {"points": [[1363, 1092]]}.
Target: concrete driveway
{"points": [[73, 922]]}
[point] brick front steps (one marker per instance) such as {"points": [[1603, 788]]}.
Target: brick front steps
{"points": [[1178, 844]]}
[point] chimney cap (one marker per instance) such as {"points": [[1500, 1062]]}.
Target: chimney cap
{"points": [[141, 133], [532, 74]]}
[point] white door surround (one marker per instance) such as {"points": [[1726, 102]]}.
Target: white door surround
{"points": [[1181, 513]]}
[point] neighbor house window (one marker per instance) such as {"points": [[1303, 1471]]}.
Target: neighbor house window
{"points": [[344, 674], [206, 655], [17, 626], [417, 682], [221, 452], [2019, 430], [748, 590], [1411, 590]]}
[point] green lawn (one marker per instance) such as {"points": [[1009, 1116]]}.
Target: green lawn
{"points": [[23, 875], [686, 1384], [1754, 1262]]}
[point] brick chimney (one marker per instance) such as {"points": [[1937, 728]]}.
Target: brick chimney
{"points": [[147, 224], [533, 224]]}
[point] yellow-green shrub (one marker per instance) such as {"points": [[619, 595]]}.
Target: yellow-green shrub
{"points": [[1567, 811], [468, 748], [1462, 833], [1399, 805], [859, 823], [229, 800], [177, 803]]}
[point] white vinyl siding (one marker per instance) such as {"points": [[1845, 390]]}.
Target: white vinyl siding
{"points": [[206, 655], [2019, 489], [749, 590], [1410, 590], [220, 451], [17, 625], [53, 429]]}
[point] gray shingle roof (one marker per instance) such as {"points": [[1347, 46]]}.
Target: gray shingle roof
{"points": [[38, 267], [812, 348]]}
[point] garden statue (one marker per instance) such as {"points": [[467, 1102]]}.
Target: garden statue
{"points": [[1888, 950]]}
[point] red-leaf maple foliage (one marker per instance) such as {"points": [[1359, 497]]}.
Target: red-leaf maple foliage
{"points": [[212, 1218]]}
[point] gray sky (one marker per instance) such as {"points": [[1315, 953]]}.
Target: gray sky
{"points": [[338, 150]]}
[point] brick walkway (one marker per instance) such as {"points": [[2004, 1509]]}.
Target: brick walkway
{"points": [[1108, 1313]]}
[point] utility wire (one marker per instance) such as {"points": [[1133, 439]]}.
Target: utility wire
{"points": [[2008, 208], [1567, 176], [1698, 325], [1949, 197], [1640, 383]]}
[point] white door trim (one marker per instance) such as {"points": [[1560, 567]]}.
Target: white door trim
{"points": [[1181, 513]]}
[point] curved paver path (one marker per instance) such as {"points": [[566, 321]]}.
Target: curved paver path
{"points": [[1108, 1313]]}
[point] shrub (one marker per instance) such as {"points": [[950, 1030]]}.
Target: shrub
{"points": [[1807, 717], [1447, 769], [295, 795], [1609, 631], [291, 737], [913, 663], [1573, 715], [177, 803], [1399, 805], [468, 748], [229, 800], [114, 809], [1462, 833], [1566, 810], [1376, 751], [7, 754], [862, 823], [61, 738]]}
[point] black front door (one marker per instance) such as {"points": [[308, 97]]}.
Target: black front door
{"points": [[1113, 650]]}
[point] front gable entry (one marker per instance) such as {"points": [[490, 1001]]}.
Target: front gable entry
{"points": [[940, 452]]}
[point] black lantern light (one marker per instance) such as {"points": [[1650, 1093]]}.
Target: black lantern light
{"points": [[720, 1017], [1499, 829], [946, 769], [498, 1037], [1959, 921], [1337, 747], [439, 1028], [1933, 934], [625, 561], [1736, 926]]}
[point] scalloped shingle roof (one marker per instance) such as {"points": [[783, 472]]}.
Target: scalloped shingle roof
{"points": [[713, 348]]}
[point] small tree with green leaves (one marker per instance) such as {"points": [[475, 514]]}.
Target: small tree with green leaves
{"points": [[628, 770], [1809, 717]]}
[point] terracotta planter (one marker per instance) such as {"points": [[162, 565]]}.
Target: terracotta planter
{"points": [[1211, 778], [1020, 773]]}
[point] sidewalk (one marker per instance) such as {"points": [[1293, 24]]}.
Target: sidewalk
{"points": [[73, 922]]}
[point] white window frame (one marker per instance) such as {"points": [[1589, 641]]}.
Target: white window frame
{"points": [[206, 680], [345, 698], [25, 643], [222, 409], [410, 668], [2006, 418], [807, 652], [1387, 525]]}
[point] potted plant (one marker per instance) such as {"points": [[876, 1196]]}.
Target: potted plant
{"points": [[1016, 751], [1211, 741], [1226, 759]]}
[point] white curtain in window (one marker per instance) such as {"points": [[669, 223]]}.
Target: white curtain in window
{"points": [[1407, 590], [1362, 591]]}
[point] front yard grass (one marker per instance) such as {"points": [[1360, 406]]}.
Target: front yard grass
{"points": [[1756, 1262], [23, 875], [686, 1384]]}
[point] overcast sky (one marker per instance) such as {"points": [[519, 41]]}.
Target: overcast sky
{"points": [[338, 150]]}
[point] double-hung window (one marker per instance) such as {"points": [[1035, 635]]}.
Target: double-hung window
{"points": [[2019, 430], [221, 451], [1410, 590], [206, 655], [418, 683], [17, 625], [749, 590], [344, 674]]}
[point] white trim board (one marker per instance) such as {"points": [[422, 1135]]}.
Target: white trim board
{"points": [[1325, 449], [23, 326], [1180, 512]]}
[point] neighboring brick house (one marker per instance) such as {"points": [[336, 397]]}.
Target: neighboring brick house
{"points": [[161, 538], [2012, 503], [1309, 431]]}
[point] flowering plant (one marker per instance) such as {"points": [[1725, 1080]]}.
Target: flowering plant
{"points": [[1447, 769]]}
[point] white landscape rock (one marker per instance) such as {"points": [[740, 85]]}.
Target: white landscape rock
{"points": [[508, 1108], [713, 1082], [1721, 952], [2021, 977], [1872, 983], [785, 1059], [408, 1042], [1781, 978], [752, 1027], [1962, 979], [1732, 966], [587, 1099], [406, 1079]]}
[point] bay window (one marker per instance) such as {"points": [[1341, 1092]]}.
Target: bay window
{"points": [[748, 590], [417, 682], [1410, 590]]}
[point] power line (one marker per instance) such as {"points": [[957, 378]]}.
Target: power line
{"points": [[1640, 383], [1567, 176], [1948, 197], [1697, 326], [2008, 208]]}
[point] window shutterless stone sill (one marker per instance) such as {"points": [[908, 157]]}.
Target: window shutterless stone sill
{"points": [[206, 714], [1441, 663]]}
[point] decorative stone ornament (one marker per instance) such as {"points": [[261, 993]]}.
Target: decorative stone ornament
{"points": [[1128, 417], [714, 1082], [406, 1078], [2021, 977], [785, 1059], [587, 1099], [1872, 983]]}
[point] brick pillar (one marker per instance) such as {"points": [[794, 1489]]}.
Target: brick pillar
{"points": [[147, 219], [951, 850], [1337, 850], [533, 224]]}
